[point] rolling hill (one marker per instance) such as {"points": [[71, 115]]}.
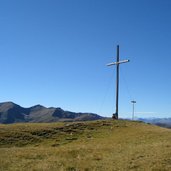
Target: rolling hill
{"points": [[13, 113], [117, 145]]}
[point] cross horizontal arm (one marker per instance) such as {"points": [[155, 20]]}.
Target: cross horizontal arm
{"points": [[116, 63]]}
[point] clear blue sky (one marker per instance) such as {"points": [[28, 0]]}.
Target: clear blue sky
{"points": [[54, 53]]}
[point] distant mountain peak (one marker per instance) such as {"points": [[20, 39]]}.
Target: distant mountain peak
{"points": [[37, 107], [5, 106], [12, 113], [9, 103]]}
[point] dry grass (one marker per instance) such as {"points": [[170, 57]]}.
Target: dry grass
{"points": [[90, 146]]}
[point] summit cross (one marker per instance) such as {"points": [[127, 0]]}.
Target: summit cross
{"points": [[117, 63]]}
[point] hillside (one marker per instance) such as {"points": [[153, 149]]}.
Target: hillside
{"points": [[13, 113], [85, 146]]}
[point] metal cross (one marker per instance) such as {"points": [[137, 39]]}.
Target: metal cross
{"points": [[117, 63]]}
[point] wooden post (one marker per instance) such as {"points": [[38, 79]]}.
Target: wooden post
{"points": [[117, 82]]}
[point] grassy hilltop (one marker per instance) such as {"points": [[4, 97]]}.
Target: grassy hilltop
{"points": [[85, 146]]}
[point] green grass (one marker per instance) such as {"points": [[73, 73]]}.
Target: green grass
{"points": [[85, 146]]}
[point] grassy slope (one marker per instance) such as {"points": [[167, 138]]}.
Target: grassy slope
{"points": [[85, 146]]}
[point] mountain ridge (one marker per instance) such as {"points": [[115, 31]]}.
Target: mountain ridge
{"points": [[163, 122], [13, 113]]}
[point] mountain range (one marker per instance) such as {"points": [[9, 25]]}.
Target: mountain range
{"points": [[163, 122], [13, 113]]}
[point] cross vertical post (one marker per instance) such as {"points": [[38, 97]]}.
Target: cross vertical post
{"points": [[117, 82], [117, 63]]}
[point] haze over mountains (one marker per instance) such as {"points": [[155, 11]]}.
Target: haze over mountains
{"points": [[163, 122], [13, 113]]}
